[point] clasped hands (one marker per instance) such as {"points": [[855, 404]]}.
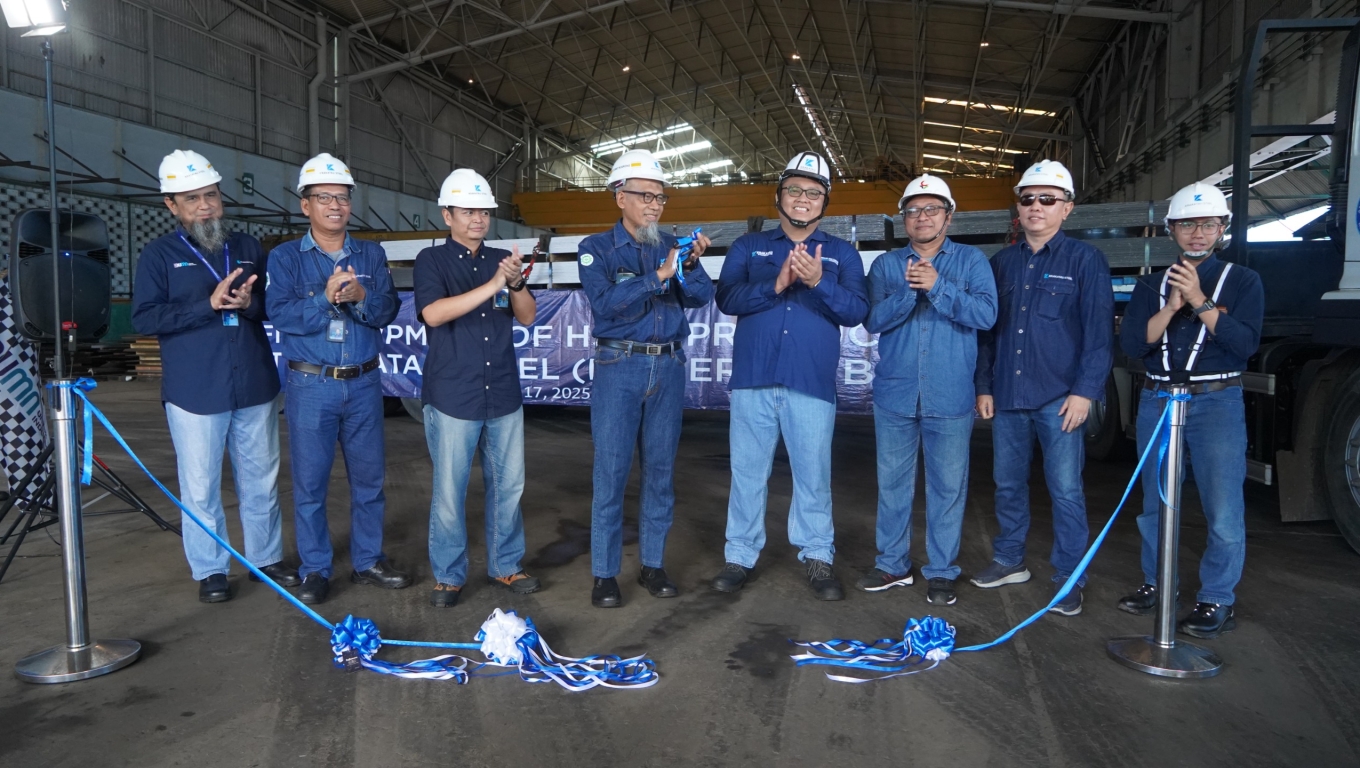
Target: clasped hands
{"points": [[800, 265], [224, 297]]}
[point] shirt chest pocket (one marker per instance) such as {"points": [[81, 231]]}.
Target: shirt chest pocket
{"points": [[1053, 297], [764, 268]]}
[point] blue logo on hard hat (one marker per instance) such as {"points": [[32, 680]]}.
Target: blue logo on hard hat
{"points": [[477, 187], [809, 162], [191, 168], [330, 167], [1199, 198]]}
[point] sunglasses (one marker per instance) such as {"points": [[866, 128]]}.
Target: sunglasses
{"points": [[1044, 200]]}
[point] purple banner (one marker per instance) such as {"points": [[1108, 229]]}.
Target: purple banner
{"points": [[555, 365]]}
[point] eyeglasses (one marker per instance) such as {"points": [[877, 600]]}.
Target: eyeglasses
{"points": [[326, 198], [796, 192], [1044, 200], [648, 197], [931, 211], [1188, 226]]}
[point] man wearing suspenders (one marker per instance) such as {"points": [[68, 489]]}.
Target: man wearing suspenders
{"points": [[1197, 323]]}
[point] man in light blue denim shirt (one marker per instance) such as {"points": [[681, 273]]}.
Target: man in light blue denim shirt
{"points": [[927, 302]]}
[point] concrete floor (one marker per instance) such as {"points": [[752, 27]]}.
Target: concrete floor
{"points": [[249, 682]]}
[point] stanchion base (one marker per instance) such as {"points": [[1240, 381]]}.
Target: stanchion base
{"points": [[1183, 659], [60, 664]]}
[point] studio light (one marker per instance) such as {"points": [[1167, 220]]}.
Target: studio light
{"points": [[38, 18]]}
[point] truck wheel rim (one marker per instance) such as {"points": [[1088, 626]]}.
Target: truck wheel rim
{"points": [[1353, 461]]}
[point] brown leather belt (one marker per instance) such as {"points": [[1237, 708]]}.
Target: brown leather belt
{"points": [[1194, 387], [334, 371]]}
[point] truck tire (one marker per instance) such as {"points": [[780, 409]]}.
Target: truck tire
{"points": [[1104, 433], [1341, 460]]}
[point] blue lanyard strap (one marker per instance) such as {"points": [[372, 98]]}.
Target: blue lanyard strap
{"points": [[226, 255]]}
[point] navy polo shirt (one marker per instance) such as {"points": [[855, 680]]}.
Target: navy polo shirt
{"points": [[1236, 336], [791, 338], [1054, 333], [470, 368], [207, 367]]}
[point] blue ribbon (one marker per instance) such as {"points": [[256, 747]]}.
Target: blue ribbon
{"points": [[540, 664], [685, 245], [1165, 443], [354, 643], [895, 657]]}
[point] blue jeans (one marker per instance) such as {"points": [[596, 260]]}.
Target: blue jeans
{"points": [[500, 443], [1013, 434], [636, 400], [319, 412], [900, 441], [1216, 438], [759, 416], [252, 437]]}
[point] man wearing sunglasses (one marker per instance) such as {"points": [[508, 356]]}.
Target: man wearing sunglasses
{"points": [[329, 295], [1038, 371], [1196, 323], [927, 302], [639, 286], [468, 294], [791, 288]]}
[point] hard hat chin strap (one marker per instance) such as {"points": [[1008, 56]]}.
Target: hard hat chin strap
{"points": [[779, 205]]}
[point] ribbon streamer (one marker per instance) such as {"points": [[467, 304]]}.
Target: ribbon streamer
{"points": [[355, 642], [895, 657]]}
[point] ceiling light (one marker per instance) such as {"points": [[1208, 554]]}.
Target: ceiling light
{"points": [[985, 43], [36, 17], [695, 147], [795, 57], [469, 81], [626, 67]]}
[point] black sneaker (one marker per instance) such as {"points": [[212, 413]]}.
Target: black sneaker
{"points": [[1208, 620], [940, 591], [520, 583], [823, 581], [1070, 605], [1142, 602], [445, 595], [605, 593], [879, 580], [731, 578]]}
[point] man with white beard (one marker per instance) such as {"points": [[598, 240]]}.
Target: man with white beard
{"points": [[200, 290], [639, 288]]}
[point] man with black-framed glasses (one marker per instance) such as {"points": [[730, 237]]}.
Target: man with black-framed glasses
{"points": [[1038, 371], [329, 295], [639, 285]]}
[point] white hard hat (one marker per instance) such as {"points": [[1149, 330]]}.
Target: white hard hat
{"points": [[184, 170], [635, 164], [1047, 173], [1199, 200], [466, 188], [810, 165], [927, 185], [324, 169]]}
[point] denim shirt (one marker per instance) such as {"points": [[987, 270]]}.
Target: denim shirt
{"points": [[209, 367], [927, 342], [791, 338], [1054, 333], [1236, 335], [618, 275], [296, 299]]}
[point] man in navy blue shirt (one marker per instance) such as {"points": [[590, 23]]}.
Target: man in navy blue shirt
{"points": [[1197, 323], [791, 289], [199, 290], [638, 289], [468, 295], [927, 302], [329, 296], [1038, 371]]}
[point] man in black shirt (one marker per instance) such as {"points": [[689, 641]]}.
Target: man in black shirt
{"points": [[468, 295]]}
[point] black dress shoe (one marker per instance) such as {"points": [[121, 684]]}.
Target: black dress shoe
{"points": [[1208, 620], [315, 588], [731, 578], [382, 574], [282, 575], [214, 589], [1141, 602], [657, 583], [823, 581], [606, 593]]}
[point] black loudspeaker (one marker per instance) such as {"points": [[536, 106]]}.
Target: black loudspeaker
{"points": [[85, 279]]}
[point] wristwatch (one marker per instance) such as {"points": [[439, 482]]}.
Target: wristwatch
{"points": [[1205, 307], [523, 281]]}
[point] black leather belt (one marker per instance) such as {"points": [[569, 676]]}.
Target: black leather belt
{"points": [[640, 348], [334, 371], [1194, 387]]}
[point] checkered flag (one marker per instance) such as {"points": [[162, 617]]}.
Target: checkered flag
{"points": [[21, 403]]}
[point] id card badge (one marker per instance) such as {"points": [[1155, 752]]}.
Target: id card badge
{"points": [[230, 319], [336, 331], [502, 300]]}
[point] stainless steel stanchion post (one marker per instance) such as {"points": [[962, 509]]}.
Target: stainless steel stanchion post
{"points": [[80, 657], [1161, 654]]}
